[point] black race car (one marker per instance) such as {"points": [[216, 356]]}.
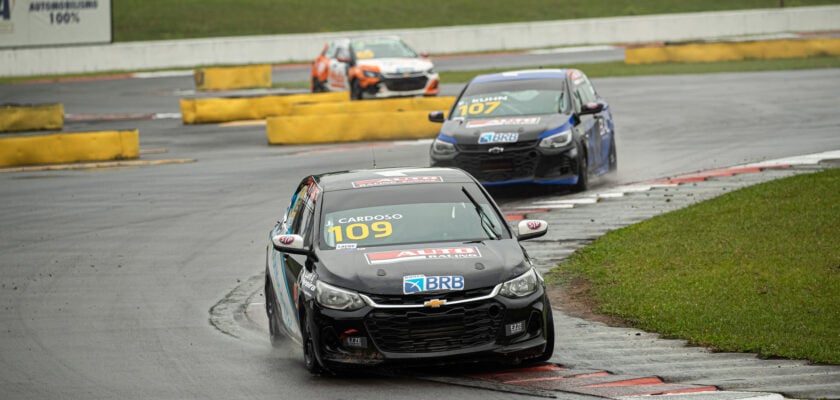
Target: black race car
{"points": [[546, 126], [404, 265]]}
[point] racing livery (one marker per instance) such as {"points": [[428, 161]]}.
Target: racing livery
{"points": [[546, 126], [404, 265], [374, 67]]}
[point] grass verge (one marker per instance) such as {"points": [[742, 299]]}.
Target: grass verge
{"points": [[756, 270], [182, 19]]}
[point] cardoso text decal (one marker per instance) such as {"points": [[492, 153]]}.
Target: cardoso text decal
{"points": [[448, 253]]}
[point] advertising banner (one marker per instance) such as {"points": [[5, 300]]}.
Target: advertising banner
{"points": [[29, 23]]}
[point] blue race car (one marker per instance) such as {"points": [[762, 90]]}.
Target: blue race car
{"points": [[544, 126]]}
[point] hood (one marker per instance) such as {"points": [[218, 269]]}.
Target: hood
{"points": [[500, 130], [462, 266], [398, 65]]}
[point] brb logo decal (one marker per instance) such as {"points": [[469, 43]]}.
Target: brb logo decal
{"points": [[534, 225], [422, 283]]}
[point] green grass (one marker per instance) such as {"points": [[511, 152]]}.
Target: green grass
{"points": [[756, 270], [160, 19]]}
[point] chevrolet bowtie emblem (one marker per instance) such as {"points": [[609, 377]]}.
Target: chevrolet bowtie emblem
{"points": [[435, 303]]}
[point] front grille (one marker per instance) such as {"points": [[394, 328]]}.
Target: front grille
{"points": [[420, 299], [482, 148], [405, 84], [420, 330], [499, 167]]}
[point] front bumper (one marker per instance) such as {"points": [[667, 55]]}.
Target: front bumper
{"points": [[497, 328], [522, 162], [397, 85]]}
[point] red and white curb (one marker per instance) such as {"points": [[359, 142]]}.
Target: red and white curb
{"points": [[548, 379], [541, 206]]}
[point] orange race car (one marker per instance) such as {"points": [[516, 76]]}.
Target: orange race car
{"points": [[374, 67]]}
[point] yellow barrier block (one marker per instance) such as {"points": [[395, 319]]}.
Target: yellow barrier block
{"points": [[227, 78], [226, 109], [734, 51], [37, 117], [337, 128], [69, 147], [380, 105]]}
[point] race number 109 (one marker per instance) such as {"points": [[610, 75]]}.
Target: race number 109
{"points": [[360, 231]]}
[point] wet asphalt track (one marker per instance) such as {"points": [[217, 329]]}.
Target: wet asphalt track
{"points": [[108, 275]]}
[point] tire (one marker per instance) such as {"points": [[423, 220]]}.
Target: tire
{"points": [[549, 340], [310, 360], [272, 311], [613, 155], [583, 173], [317, 85], [355, 90]]}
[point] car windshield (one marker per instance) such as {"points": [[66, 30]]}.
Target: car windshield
{"points": [[512, 98], [382, 48], [403, 214]]}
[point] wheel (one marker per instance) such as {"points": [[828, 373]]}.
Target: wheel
{"points": [[549, 337], [272, 310], [613, 156], [355, 90], [583, 173], [317, 85], [310, 360]]}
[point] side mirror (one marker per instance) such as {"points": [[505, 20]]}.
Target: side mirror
{"points": [[436, 116], [289, 244], [424, 54], [592, 108], [531, 228]]}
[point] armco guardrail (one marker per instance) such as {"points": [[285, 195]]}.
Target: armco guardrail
{"points": [[31, 117], [734, 51], [69, 147], [135, 56]]}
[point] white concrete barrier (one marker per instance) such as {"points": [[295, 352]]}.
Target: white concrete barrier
{"points": [[136, 56]]}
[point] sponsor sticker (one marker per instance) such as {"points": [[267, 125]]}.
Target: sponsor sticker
{"points": [[498, 137], [345, 246], [397, 180], [448, 253], [503, 121], [422, 283]]}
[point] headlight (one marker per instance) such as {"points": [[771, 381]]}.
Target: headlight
{"points": [[520, 286], [430, 71], [443, 148], [557, 140], [370, 74], [338, 299]]}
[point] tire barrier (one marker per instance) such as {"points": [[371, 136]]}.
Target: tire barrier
{"points": [[381, 105], [247, 77], [734, 51], [69, 147], [350, 127], [227, 109], [36, 117]]}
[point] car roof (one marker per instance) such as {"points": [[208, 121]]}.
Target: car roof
{"points": [[522, 74], [360, 179]]}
